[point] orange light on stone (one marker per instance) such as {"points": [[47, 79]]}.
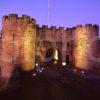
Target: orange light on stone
{"points": [[81, 48], [29, 48], [56, 55]]}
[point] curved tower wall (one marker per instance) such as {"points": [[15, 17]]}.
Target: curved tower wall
{"points": [[83, 51], [29, 47], [14, 32], [8, 31]]}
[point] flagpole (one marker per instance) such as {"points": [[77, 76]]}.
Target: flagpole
{"points": [[48, 12]]}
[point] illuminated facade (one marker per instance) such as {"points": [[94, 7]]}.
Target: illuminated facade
{"points": [[82, 48], [29, 48], [85, 37], [17, 44], [22, 40]]}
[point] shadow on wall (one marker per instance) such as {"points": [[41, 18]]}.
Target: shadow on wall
{"points": [[18, 75]]}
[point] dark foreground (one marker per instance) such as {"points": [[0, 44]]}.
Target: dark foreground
{"points": [[54, 83]]}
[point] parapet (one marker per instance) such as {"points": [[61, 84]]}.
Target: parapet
{"points": [[10, 17], [12, 21], [4, 18], [79, 26], [53, 27], [61, 28], [96, 26], [33, 21], [88, 25], [14, 16], [37, 26], [25, 17], [96, 29], [44, 27], [19, 18], [69, 29], [73, 28], [25, 20], [19, 21]]}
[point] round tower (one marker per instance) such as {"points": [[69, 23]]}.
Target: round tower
{"points": [[83, 41]]}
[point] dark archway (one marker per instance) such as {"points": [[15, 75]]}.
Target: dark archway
{"points": [[49, 51], [67, 59], [50, 54]]}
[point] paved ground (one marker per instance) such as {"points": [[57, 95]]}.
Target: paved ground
{"points": [[54, 83]]}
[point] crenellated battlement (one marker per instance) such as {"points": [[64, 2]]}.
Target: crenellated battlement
{"points": [[20, 34], [69, 29], [24, 20], [45, 27], [13, 19], [4, 18], [25, 17], [96, 28], [13, 16], [79, 26], [87, 26], [53, 27]]}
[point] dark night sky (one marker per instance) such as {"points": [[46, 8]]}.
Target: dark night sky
{"points": [[67, 13]]}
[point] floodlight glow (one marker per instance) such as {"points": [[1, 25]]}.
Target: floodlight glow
{"points": [[55, 62], [81, 48], [29, 48], [64, 63], [75, 70], [36, 64], [34, 74], [40, 71], [83, 72], [42, 68], [56, 55]]}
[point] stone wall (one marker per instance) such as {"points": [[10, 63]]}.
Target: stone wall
{"points": [[14, 30], [85, 39], [20, 34]]}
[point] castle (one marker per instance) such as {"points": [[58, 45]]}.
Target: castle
{"points": [[22, 40]]}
